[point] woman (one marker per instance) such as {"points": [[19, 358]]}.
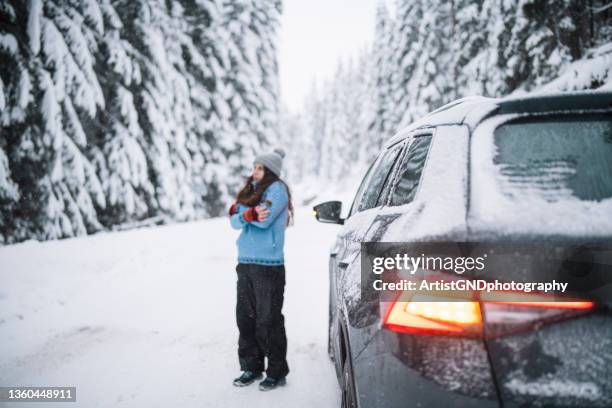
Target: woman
{"points": [[262, 211]]}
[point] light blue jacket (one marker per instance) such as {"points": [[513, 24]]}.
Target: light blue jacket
{"points": [[263, 242]]}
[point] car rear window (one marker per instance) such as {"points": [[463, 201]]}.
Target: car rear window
{"points": [[555, 158]]}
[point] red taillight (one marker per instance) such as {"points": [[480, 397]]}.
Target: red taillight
{"points": [[533, 300], [504, 312], [434, 315]]}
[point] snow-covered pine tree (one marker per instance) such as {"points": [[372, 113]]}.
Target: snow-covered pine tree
{"points": [[295, 144], [382, 73], [481, 30], [51, 84], [331, 108], [406, 51], [164, 108], [204, 66], [114, 111], [431, 84], [363, 114], [353, 126], [314, 120], [470, 54], [545, 36], [335, 122], [443, 50], [117, 141], [14, 98], [252, 81]]}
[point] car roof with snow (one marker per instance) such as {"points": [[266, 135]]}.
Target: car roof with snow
{"points": [[472, 110]]}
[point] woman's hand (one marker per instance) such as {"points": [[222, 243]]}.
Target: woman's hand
{"points": [[233, 209], [262, 212], [258, 213]]}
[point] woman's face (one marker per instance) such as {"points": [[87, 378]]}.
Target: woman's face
{"points": [[258, 172]]}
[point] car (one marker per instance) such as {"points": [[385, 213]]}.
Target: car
{"points": [[535, 168]]}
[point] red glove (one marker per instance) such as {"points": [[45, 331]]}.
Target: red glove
{"points": [[233, 209], [250, 215]]}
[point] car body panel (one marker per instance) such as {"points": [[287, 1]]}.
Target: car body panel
{"points": [[564, 364], [402, 370]]}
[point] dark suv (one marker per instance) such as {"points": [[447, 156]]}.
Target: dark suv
{"points": [[537, 168]]}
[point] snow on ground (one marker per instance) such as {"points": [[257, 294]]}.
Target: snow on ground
{"points": [[145, 318]]}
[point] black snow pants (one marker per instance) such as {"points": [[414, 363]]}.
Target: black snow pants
{"points": [[260, 321]]}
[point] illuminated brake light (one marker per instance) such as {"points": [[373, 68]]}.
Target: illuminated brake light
{"points": [[534, 300], [450, 312], [434, 314], [506, 312], [551, 305]]}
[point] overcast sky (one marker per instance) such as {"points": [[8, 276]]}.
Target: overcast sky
{"points": [[314, 35]]}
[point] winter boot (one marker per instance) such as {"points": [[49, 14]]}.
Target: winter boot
{"points": [[247, 377], [271, 383]]}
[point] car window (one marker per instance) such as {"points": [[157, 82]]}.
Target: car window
{"points": [[364, 182], [555, 158], [379, 176], [384, 194], [410, 171]]}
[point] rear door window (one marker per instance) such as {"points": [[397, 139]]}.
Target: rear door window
{"points": [[411, 171], [380, 173]]}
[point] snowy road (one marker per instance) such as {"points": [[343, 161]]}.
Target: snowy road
{"points": [[145, 318]]}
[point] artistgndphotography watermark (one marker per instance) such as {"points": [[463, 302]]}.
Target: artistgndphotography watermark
{"points": [[506, 271]]}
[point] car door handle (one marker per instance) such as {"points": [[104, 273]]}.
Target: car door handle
{"points": [[345, 262]]}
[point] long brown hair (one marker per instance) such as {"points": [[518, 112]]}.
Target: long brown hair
{"points": [[251, 197]]}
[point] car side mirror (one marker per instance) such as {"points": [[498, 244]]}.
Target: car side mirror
{"points": [[329, 212]]}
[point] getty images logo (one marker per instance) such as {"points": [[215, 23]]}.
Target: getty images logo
{"points": [[411, 264]]}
